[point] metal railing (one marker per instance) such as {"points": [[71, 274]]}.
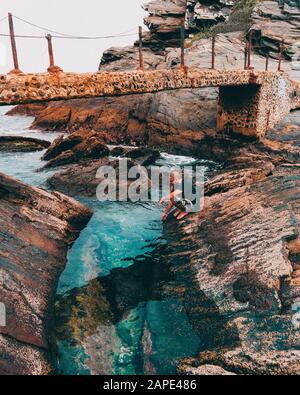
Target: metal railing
{"points": [[248, 50]]}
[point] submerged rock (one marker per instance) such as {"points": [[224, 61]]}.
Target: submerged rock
{"points": [[37, 228], [82, 180], [22, 144]]}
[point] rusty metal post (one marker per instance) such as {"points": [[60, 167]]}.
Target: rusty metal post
{"points": [[250, 50], [182, 45], [245, 57], [213, 54], [141, 57], [280, 55], [16, 69], [52, 68], [50, 49], [267, 62]]}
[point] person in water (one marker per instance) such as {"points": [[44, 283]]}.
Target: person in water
{"points": [[181, 205]]}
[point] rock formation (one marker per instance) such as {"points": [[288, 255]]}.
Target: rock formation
{"points": [[242, 249], [175, 120], [202, 14], [78, 147], [22, 144], [81, 178], [164, 22], [167, 17], [28, 110], [239, 257], [272, 23], [36, 230]]}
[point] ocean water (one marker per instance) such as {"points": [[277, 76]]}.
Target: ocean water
{"points": [[116, 308], [23, 166]]}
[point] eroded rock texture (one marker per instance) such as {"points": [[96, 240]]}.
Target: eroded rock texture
{"points": [[164, 22], [174, 120], [273, 23], [36, 230], [239, 252], [22, 144], [238, 259], [244, 251], [80, 146]]}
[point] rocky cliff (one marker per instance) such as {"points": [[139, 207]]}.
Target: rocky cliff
{"points": [[37, 228], [244, 251], [239, 257]]}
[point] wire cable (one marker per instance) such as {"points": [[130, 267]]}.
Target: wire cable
{"points": [[66, 37], [123, 34], [3, 19]]}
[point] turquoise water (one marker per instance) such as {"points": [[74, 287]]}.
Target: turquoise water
{"points": [[116, 308]]}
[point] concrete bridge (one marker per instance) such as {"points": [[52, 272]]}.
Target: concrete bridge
{"points": [[250, 102]]}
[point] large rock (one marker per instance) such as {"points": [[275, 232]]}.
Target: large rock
{"points": [[272, 23], [164, 22], [78, 147], [203, 14], [176, 121], [167, 17], [22, 144], [238, 248], [37, 228], [27, 109], [127, 58], [82, 180]]}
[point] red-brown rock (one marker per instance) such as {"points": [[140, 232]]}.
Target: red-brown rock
{"points": [[37, 228]]}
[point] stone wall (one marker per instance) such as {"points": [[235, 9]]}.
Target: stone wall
{"points": [[238, 108], [268, 106], [252, 110]]}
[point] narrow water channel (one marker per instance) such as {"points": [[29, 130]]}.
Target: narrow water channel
{"points": [[116, 309]]}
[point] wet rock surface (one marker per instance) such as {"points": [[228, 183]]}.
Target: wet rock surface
{"points": [[238, 259], [22, 144], [27, 109], [78, 147], [238, 249], [83, 180], [36, 230], [173, 120], [141, 156]]}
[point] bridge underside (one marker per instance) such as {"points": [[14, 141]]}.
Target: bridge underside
{"points": [[249, 103]]}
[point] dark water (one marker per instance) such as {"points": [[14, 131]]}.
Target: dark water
{"points": [[118, 309]]}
